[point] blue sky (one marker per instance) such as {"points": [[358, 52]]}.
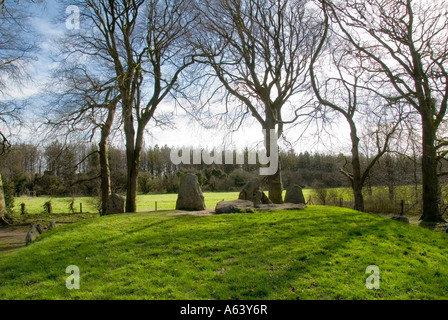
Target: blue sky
{"points": [[43, 22], [49, 23]]}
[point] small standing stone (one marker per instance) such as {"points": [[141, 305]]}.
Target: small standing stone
{"points": [[401, 218], [252, 192], [52, 225], [294, 194], [35, 231], [190, 194]]}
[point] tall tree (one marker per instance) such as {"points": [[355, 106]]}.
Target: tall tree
{"points": [[406, 43], [16, 49], [260, 52], [145, 43], [342, 82], [87, 103]]}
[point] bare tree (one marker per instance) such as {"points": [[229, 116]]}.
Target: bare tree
{"points": [[83, 103], [168, 53], [406, 43], [16, 48], [144, 44], [260, 52], [16, 51], [341, 82]]}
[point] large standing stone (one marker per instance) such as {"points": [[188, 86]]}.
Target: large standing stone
{"points": [[115, 204], [190, 194], [252, 192], [294, 194], [34, 232]]}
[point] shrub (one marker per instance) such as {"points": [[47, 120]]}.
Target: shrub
{"points": [[320, 192], [8, 191], [143, 182]]}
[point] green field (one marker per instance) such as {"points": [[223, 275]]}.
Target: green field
{"points": [[316, 253], [145, 203], [377, 201]]}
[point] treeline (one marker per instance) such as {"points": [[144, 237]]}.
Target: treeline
{"points": [[73, 170]]}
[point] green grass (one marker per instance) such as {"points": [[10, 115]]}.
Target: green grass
{"points": [[61, 206], [145, 202], [35, 205], [316, 253]]}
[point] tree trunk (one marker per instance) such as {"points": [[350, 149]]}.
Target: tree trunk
{"points": [[391, 192], [133, 159], [275, 191], [357, 183], [359, 198], [390, 178], [105, 175], [131, 193], [2, 203], [276, 186], [429, 171], [131, 183], [104, 158], [131, 205]]}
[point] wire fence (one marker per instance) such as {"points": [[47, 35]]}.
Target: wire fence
{"points": [[404, 200]]}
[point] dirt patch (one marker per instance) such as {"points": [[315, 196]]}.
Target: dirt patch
{"points": [[12, 238]]}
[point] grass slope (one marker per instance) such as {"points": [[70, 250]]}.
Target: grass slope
{"points": [[317, 253]]}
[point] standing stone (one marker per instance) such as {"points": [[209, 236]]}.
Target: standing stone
{"points": [[252, 192], [401, 218], [40, 228], [115, 204], [190, 194], [35, 231], [235, 206], [52, 225], [294, 194]]}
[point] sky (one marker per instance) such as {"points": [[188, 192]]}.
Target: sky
{"points": [[49, 22]]}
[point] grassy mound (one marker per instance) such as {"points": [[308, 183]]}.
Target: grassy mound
{"points": [[317, 253]]}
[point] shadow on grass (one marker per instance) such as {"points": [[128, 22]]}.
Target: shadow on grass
{"points": [[434, 226], [304, 255]]}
